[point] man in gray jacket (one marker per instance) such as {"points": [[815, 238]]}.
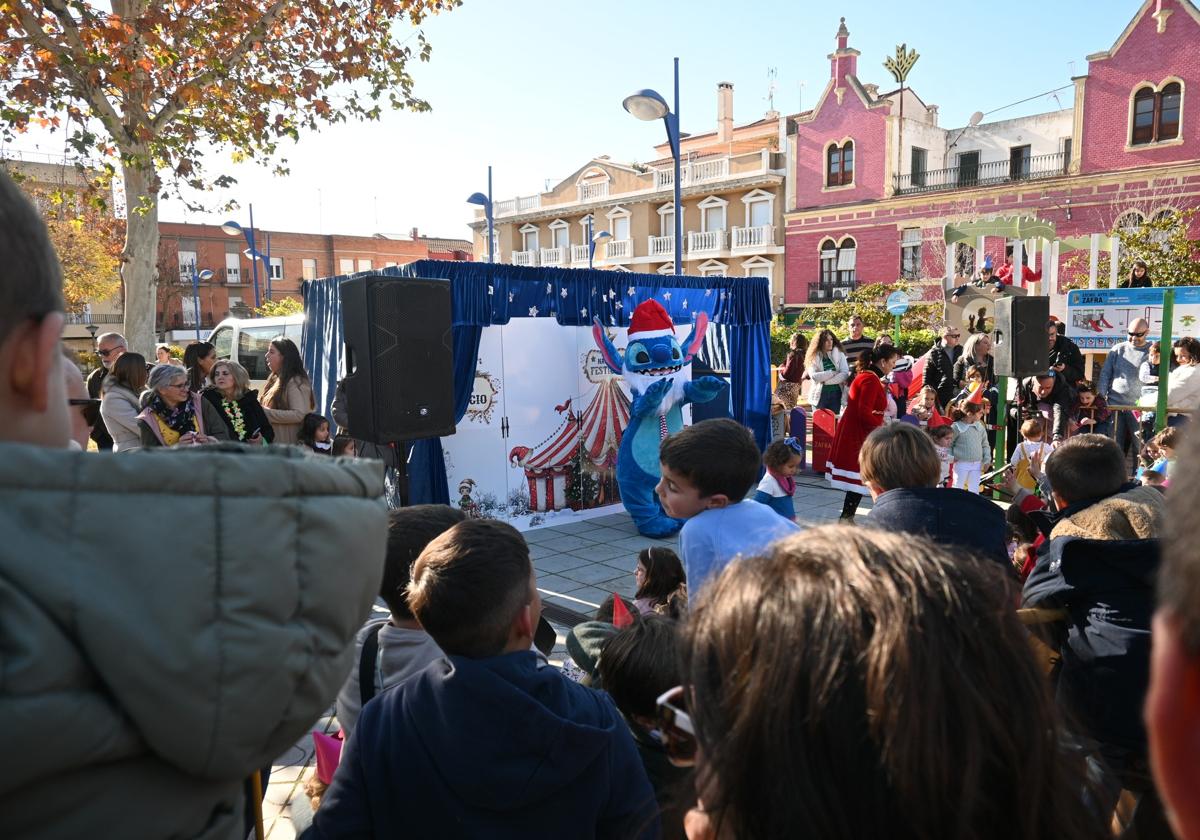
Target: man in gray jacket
{"points": [[1119, 382], [171, 621]]}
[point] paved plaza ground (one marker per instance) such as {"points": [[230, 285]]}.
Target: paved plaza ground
{"points": [[577, 566]]}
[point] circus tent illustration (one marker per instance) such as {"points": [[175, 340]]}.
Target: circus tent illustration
{"points": [[587, 441]]}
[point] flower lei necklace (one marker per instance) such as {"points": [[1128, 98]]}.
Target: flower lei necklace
{"points": [[234, 412]]}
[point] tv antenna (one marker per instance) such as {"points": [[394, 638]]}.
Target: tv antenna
{"points": [[772, 75]]}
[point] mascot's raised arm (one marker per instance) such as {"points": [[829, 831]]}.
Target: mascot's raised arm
{"points": [[651, 366]]}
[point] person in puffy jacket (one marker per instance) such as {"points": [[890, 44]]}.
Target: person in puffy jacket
{"points": [[148, 669], [120, 405]]}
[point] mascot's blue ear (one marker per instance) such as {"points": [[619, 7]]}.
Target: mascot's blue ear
{"points": [[611, 357], [692, 343]]}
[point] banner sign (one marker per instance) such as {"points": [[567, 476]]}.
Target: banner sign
{"points": [[1099, 318]]}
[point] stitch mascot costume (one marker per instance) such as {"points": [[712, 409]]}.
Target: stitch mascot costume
{"points": [[652, 359]]}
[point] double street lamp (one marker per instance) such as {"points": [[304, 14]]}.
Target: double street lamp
{"points": [[233, 229], [594, 239], [485, 201], [649, 105]]}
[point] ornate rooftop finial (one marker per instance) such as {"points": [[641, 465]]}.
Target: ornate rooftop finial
{"points": [[843, 32]]}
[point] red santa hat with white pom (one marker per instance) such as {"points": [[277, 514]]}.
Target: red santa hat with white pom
{"points": [[650, 320]]}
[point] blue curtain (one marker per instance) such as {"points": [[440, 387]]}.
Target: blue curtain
{"points": [[483, 294]]}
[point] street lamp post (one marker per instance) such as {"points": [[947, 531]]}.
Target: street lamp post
{"points": [[233, 229], [197, 276], [92, 330], [594, 239], [485, 201], [649, 105]]}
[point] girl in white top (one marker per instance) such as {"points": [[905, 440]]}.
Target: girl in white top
{"points": [[1183, 386]]}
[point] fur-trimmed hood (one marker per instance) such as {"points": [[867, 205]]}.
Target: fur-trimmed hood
{"points": [[1136, 514]]}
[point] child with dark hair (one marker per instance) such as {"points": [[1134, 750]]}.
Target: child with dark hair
{"points": [[782, 460], [659, 575], [314, 434], [343, 446], [943, 439], [397, 646], [1089, 412], [638, 665], [707, 470], [1023, 540]]}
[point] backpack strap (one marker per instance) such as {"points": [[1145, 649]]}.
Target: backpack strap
{"points": [[366, 663]]}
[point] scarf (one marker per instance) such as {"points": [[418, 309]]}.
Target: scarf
{"points": [[787, 483], [181, 418]]}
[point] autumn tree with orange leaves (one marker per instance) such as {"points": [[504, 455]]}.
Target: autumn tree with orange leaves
{"points": [[151, 87]]}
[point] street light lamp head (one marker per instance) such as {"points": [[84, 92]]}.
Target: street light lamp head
{"points": [[646, 105], [478, 198], [600, 235], [232, 228], [205, 274]]}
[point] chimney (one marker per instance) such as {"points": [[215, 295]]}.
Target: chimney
{"points": [[415, 235], [843, 61], [724, 112]]}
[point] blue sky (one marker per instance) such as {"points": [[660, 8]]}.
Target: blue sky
{"points": [[535, 89]]}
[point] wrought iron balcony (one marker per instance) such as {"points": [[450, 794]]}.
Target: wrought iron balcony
{"points": [[829, 292], [970, 175]]}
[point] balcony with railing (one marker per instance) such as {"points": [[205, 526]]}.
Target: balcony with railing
{"points": [[747, 239], [705, 242], [579, 253], [553, 256], [233, 277], [661, 246], [520, 204], [826, 292], [82, 319], [593, 192], [618, 249], [968, 175], [527, 258], [701, 172]]}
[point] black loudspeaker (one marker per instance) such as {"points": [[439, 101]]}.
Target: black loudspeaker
{"points": [[399, 358], [1020, 347]]}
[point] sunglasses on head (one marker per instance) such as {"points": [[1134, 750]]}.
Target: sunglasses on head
{"points": [[675, 727], [89, 408]]}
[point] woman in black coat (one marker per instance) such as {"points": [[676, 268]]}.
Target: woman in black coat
{"points": [[238, 405]]}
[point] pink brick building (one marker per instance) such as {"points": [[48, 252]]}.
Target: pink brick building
{"points": [[871, 190]]}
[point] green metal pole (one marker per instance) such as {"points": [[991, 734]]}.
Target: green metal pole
{"points": [[896, 332], [999, 456], [1164, 360]]}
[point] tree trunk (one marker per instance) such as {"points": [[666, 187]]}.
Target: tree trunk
{"points": [[139, 261]]}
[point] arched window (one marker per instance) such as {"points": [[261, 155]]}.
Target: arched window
{"points": [[1156, 114], [838, 263], [839, 165]]}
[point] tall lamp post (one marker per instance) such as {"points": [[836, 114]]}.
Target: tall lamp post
{"points": [[649, 105], [594, 239], [197, 276], [899, 67], [485, 201], [233, 229]]}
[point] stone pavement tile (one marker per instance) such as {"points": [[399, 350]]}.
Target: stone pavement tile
{"points": [[612, 518], [566, 543], [557, 562], [626, 564], [574, 527], [537, 551], [603, 552], [591, 594], [586, 609], [557, 583], [282, 828], [590, 574], [539, 535], [608, 534]]}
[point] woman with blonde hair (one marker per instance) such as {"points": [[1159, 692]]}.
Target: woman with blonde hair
{"points": [[232, 397], [854, 683]]}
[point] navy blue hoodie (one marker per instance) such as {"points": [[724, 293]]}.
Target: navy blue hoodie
{"points": [[947, 515], [496, 748]]}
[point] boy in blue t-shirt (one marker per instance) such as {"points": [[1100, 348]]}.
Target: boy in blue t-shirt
{"points": [[707, 470]]}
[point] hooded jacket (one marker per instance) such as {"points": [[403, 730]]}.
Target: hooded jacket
{"points": [[120, 408], [1136, 514], [504, 747], [946, 515], [171, 621]]}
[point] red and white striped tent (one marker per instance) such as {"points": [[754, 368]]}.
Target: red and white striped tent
{"points": [[599, 427]]}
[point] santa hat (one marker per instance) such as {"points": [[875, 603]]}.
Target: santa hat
{"points": [[650, 320], [621, 615]]}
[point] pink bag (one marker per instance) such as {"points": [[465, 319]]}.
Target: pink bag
{"points": [[329, 754]]}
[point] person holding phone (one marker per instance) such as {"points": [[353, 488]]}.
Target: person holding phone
{"points": [[237, 404], [174, 416]]}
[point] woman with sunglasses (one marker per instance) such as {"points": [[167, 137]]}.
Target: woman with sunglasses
{"points": [[854, 683], [120, 405], [174, 416]]}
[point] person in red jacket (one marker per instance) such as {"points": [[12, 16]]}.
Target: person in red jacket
{"points": [[864, 412], [1005, 273]]}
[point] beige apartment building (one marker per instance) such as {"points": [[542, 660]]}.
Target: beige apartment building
{"points": [[732, 192]]}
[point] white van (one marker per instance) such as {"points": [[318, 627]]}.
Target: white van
{"points": [[245, 340]]}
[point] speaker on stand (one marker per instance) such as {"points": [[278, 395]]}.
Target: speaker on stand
{"points": [[1019, 345], [399, 381]]}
